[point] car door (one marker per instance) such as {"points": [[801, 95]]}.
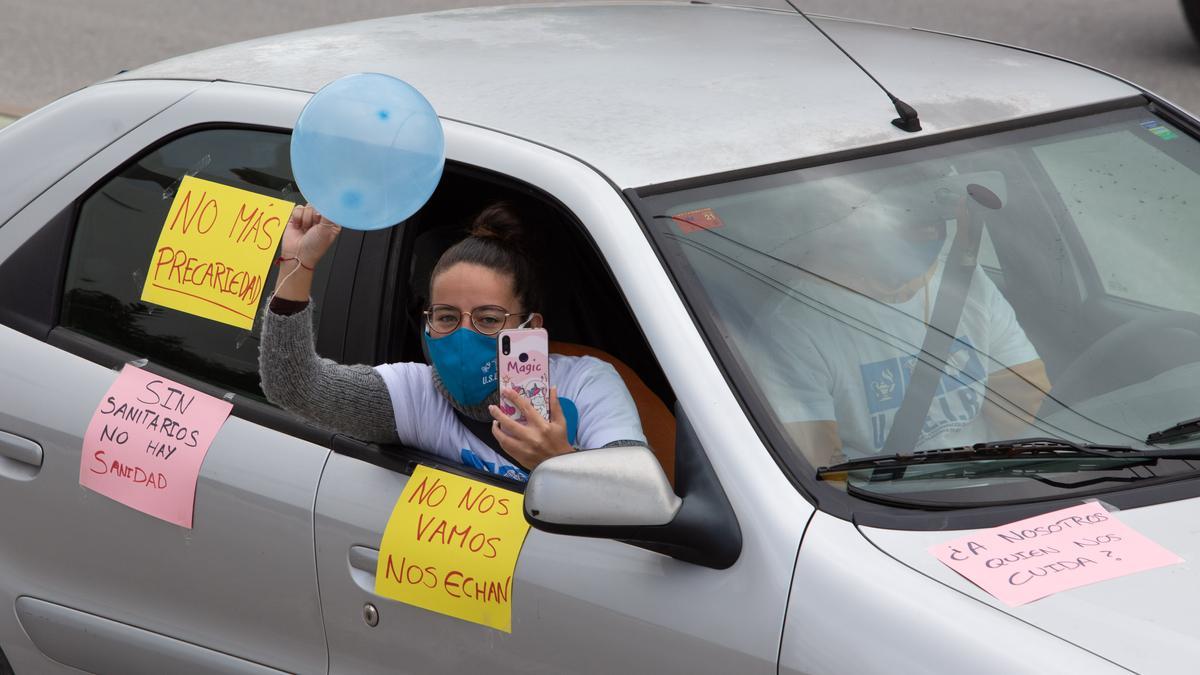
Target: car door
{"points": [[579, 604], [88, 583]]}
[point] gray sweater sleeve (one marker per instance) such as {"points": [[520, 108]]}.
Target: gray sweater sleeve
{"points": [[351, 400]]}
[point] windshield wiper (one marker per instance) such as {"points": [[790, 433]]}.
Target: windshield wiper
{"points": [[1012, 449], [1175, 433]]}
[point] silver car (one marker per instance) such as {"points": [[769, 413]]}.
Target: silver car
{"points": [[717, 181]]}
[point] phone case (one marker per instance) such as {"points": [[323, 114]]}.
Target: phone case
{"points": [[524, 363]]}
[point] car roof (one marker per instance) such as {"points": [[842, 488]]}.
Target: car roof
{"points": [[658, 92]]}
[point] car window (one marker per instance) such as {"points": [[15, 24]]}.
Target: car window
{"points": [[1141, 237], [824, 282], [117, 228]]}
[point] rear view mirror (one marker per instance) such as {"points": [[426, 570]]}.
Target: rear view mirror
{"points": [[606, 487], [936, 199], [622, 493]]}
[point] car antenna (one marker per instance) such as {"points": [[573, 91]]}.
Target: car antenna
{"points": [[908, 119]]}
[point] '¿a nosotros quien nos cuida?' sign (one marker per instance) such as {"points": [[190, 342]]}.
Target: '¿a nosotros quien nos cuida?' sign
{"points": [[1032, 558]]}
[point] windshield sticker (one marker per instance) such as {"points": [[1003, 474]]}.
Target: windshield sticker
{"points": [[451, 546], [1047, 554], [215, 250], [697, 220], [1159, 129], [146, 442]]}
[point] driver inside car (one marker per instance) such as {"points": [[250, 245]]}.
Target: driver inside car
{"points": [[846, 334]]}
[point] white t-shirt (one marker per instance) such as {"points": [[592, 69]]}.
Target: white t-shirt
{"points": [[840, 356], [589, 390]]}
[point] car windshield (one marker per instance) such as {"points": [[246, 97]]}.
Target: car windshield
{"points": [[1040, 282]]}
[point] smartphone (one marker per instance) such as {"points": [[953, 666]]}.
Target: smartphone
{"points": [[524, 361]]}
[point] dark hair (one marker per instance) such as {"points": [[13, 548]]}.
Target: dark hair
{"points": [[497, 240]]}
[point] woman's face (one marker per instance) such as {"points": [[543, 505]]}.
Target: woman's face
{"points": [[468, 286]]}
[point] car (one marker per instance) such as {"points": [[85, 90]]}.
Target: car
{"points": [[717, 187]]}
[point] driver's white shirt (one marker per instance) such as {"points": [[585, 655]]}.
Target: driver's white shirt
{"points": [[604, 412], [840, 356]]}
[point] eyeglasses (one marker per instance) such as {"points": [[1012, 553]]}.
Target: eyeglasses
{"points": [[487, 320]]}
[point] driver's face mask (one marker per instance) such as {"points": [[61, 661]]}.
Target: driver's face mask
{"points": [[890, 229], [465, 362], [889, 256], [896, 256]]}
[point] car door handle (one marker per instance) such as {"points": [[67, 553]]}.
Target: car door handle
{"points": [[20, 458], [363, 561]]}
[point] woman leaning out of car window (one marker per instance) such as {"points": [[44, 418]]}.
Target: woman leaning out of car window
{"points": [[480, 286]]}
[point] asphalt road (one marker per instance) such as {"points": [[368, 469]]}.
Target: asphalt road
{"points": [[51, 47]]}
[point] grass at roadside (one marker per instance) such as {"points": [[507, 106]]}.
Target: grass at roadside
{"points": [[5, 120]]}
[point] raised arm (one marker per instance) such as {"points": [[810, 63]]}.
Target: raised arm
{"points": [[352, 400]]}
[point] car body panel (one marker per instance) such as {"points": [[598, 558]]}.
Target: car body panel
{"points": [[698, 89], [982, 83], [853, 610], [222, 586], [578, 101], [584, 605], [98, 645], [1126, 81], [1126, 619], [214, 103], [81, 124], [579, 605]]}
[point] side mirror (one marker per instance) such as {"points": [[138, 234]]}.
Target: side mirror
{"points": [[622, 493], [606, 487]]}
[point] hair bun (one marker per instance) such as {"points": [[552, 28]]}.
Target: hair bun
{"points": [[498, 239], [501, 223]]}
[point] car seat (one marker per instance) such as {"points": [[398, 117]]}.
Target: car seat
{"points": [[658, 423]]}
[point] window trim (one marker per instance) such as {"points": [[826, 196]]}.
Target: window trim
{"points": [[19, 309], [244, 407], [913, 143], [343, 266], [388, 304], [837, 503], [401, 250], [362, 285], [403, 459]]}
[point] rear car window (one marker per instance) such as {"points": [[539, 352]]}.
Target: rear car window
{"points": [[116, 231]]}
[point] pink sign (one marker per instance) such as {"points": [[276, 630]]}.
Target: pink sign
{"points": [[146, 442], [1032, 558]]}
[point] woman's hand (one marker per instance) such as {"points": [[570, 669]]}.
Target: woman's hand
{"points": [[308, 235], [535, 440], [306, 238]]}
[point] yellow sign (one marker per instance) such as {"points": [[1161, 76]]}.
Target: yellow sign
{"points": [[451, 547], [215, 250]]}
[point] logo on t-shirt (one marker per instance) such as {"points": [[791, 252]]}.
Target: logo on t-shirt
{"points": [[471, 459], [956, 402]]}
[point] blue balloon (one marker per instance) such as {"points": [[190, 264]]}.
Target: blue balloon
{"points": [[367, 151]]}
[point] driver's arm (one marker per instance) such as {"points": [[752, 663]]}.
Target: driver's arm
{"points": [[1019, 389]]}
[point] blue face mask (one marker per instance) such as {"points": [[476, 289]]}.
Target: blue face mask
{"points": [[466, 363], [896, 261]]}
